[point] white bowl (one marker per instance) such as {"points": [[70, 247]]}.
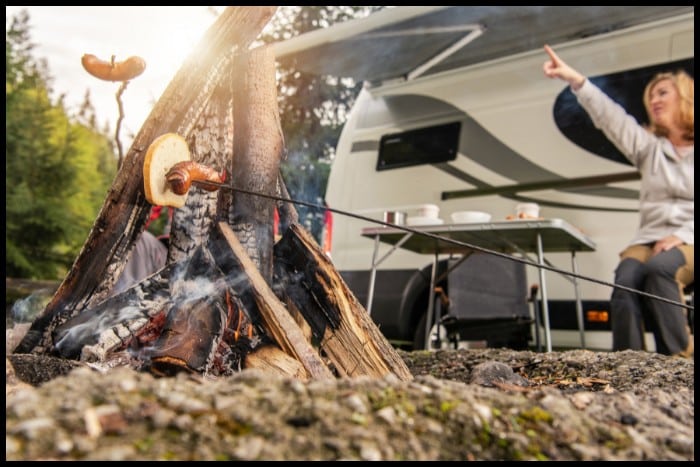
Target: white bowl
{"points": [[468, 217], [428, 210]]}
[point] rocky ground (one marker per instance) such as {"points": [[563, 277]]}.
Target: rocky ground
{"points": [[479, 404]]}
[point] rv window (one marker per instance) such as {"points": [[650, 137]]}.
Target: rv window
{"points": [[421, 146]]}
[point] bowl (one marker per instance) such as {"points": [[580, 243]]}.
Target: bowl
{"points": [[467, 217], [428, 210]]}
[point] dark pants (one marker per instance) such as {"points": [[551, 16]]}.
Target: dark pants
{"points": [[663, 275]]}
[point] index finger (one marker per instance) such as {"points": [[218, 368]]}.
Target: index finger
{"points": [[551, 53]]}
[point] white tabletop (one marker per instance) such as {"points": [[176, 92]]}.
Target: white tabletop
{"points": [[506, 236]]}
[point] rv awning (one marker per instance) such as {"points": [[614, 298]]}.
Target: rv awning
{"points": [[407, 42]]}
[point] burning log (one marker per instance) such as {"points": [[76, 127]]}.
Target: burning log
{"points": [[277, 321], [190, 336], [103, 329]]}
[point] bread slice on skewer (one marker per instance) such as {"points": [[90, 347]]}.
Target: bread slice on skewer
{"points": [[163, 153]]}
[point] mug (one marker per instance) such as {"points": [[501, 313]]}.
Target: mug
{"points": [[428, 210], [527, 211]]}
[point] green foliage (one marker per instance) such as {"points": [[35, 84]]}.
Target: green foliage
{"points": [[313, 109], [57, 170]]}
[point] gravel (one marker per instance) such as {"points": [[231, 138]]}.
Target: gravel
{"points": [[469, 404]]}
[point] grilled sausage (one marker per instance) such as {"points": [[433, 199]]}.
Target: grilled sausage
{"points": [[113, 70], [181, 175]]}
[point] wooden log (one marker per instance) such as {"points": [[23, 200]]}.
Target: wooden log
{"points": [[346, 333], [211, 144], [276, 320], [123, 215], [272, 359], [190, 337], [258, 147], [108, 325]]}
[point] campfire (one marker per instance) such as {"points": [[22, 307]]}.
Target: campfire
{"points": [[230, 297]]}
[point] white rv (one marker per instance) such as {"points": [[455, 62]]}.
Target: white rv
{"points": [[456, 112]]}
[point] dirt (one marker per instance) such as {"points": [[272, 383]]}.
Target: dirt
{"points": [[470, 404]]}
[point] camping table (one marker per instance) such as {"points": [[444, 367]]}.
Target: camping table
{"points": [[513, 236]]}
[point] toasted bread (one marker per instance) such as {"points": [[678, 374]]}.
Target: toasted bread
{"points": [[163, 153]]}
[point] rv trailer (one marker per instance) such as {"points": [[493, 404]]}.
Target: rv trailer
{"points": [[455, 111]]}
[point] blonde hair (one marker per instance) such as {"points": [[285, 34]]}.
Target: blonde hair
{"points": [[685, 85]]}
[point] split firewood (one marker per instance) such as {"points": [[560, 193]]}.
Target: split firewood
{"points": [[271, 358], [276, 320], [346, 333]]}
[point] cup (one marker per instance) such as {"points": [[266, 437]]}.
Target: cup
{"points": [[527, 211], [395, 217], [428, 210]]}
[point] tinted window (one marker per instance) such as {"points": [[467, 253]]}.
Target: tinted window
{"points": [[428, 145]]}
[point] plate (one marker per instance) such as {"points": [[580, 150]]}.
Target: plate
{"points": [[421, 220]]}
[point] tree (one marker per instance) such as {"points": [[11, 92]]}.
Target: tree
{"points": [[313, 109], [57, 170]]}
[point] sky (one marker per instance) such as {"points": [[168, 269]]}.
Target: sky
{"points": [[162, 36]]}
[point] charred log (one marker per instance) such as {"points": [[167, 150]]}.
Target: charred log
{"points": [[189, 338], [288, 214], [258, 147], [343, 328], [207, 329], [211, 144], [277, 321], [115, 321]]}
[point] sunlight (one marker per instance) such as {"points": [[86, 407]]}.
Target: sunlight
{"points": [[174, 35]]}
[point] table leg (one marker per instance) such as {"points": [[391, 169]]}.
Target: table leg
{"points": [[579, 306], [431, 301], [372, 275], [543, 286], [376, 262]]}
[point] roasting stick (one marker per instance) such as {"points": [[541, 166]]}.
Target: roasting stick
{"points": [[115, 71], [169, 173]]}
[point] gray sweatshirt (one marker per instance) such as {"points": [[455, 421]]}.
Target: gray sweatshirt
{"points": [[667, 194]]}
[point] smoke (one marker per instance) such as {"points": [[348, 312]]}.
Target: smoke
{"points": [[76, 336], [168, 312], [26, 309]]}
